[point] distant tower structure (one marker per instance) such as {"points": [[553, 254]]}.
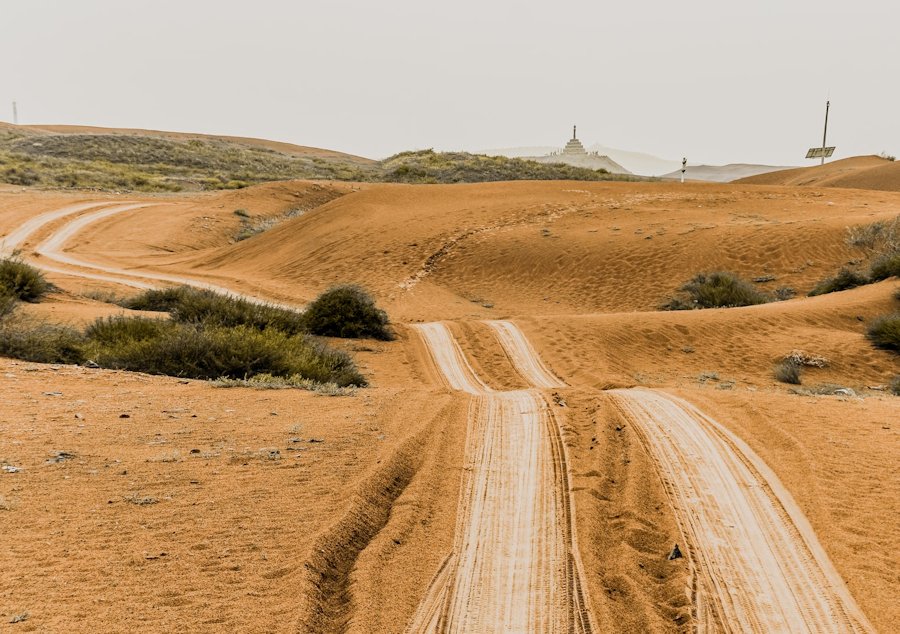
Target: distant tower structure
{"points": [[15, 114], [574, 154], [574, 146]]}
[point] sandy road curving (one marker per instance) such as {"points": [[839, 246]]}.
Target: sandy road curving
{"points": [[513, 567], [758, 564], [523, 357], [53, 248], [13, 241]]}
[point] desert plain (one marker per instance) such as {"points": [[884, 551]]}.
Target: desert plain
{"points": [[531, 447]]}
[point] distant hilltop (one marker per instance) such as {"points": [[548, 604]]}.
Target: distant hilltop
{"points": [[574, 154]]}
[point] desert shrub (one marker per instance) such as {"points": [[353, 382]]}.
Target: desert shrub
{"points": [[802, 358], [200, 306], [347, 311], [882, 236], [894, 386], [40, 342], [191, 351], [7, 303], [788, 371], [269, 382], [111, 331], [718, 289], [784, 293], [885, 266], [255, 226], [157, 299], [884, 332], [844, 280], [888, 157], [162, 346], [22, 280]]}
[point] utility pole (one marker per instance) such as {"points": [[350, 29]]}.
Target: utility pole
{"points": [[683, 168], [15, 114], [825, 133], [823, 152]]}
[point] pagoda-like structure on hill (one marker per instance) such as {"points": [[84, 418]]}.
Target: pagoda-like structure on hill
{"points": [[574, 154], [574, 146]]}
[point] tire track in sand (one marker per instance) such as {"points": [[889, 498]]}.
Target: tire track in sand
{"points": [[513, 567], [53, 248], [758, 564]]}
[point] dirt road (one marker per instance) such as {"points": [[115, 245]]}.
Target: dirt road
{"points": [[514, 565], [53, 248], [759, 566]]}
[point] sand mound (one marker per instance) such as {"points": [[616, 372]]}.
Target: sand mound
{"points": [[496, 249], [860, 172]]}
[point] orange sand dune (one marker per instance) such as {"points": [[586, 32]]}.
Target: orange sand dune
{"points": [[355, 533], [859, 172], [524, 248]]}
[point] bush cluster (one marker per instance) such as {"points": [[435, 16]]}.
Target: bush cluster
{"points": [[717, 289], [40, 342], [788, 371], [884, 332], [197, 306], [209, 336], [21, 280], [212, 352], [347, 311], [844, 280], [180, 349], [885, 266], [342, 311]]}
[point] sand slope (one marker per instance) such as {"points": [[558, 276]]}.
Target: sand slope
{"points": [[278, 146], [582, 268], [860, 172]]}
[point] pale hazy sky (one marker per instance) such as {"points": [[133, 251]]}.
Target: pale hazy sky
{"points": [[715, 80]]}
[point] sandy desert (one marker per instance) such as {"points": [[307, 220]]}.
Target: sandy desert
{"points": [[532, 447]]}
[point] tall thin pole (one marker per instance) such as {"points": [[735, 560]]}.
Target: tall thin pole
{"points": [[825, 134], [15, 114]]}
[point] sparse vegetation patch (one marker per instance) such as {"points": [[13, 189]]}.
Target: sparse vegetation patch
{"points": [[885, 266], [884, 332], [21, 280], [214, 352], [122, 162], [788, 371], [844, 280], [23, 338], [190, 305], [428, 166], [209, 336], [717, 289]]}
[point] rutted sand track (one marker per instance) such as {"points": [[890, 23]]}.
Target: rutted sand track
{"points": [[759, 566], [53, 248], [514, 566]]}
